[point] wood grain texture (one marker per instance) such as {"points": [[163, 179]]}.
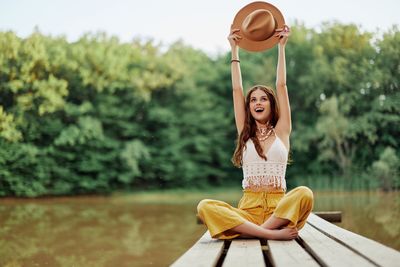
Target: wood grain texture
{"points": [[204, 253], [327, 251], [288, 254], [379, 254], [244, 252], [330, 216]]}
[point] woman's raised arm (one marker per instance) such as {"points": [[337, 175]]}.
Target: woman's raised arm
{"points": [[284, 125], [238, 97]]}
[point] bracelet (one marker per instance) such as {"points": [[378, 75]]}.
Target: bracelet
{"points": [[235, 60]]}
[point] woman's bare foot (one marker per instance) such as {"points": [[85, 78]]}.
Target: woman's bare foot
{"points": [[250, 229], [283, 234]]}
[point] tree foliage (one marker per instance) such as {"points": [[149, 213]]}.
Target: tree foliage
{"points": [[98, 115]]}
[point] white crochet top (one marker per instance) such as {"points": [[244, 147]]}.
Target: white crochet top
{"points": [[261, 175]]}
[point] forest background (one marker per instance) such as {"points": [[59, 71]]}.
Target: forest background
{"points": [[99, 115]]}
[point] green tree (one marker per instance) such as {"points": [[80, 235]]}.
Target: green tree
{"points": [[98, 115], [386, 169]]}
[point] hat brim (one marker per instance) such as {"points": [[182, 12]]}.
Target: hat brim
{"points": [[256, 46]]}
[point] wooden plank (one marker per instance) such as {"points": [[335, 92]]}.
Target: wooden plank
{"points": [[379, 254], [289, 253], [330, 216], [244, 252], [204, 253], [327, 251]]}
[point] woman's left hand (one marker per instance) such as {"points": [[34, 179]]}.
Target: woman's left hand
{"points": [[283, 34]]}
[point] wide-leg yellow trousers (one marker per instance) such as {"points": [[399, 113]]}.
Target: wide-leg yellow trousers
{"points": [[256, 207]]}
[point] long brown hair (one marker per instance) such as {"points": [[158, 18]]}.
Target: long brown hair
{"points": [[250, 127]]}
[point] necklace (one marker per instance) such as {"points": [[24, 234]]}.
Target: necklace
{"points": [[264, 133]]}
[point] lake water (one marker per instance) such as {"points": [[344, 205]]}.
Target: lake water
{"points": [[151, 229]]}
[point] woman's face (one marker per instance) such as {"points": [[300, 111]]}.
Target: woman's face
{"points": [[260, 106]]}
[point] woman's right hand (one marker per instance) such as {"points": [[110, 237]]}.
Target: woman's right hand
{"points": [[234, 38]]}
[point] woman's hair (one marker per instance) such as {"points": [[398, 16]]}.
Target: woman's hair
{"points": [[250, 127]]}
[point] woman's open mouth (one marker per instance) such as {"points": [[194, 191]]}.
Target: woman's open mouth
{"points": [[259, 109]]}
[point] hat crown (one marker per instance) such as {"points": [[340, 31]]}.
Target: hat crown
{"points": [[259, 25]]}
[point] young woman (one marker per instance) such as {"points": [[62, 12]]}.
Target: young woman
{"points": [[263, 123]]}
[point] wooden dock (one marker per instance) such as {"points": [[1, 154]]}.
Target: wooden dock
{"points": [[320, 243]]}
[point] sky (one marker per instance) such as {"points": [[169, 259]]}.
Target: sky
{"points": [[203, 24]]}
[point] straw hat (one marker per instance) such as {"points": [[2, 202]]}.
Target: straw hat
{"points": [[257, 22]]}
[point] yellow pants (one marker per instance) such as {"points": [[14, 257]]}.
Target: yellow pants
{"points": [[256, 207]]}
